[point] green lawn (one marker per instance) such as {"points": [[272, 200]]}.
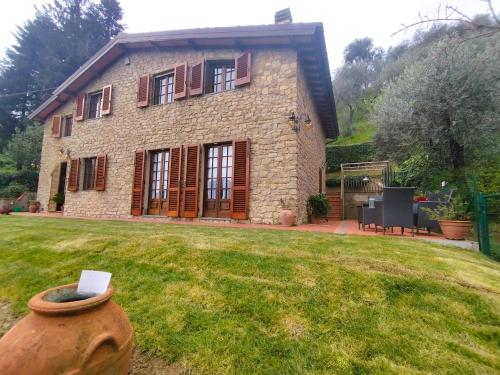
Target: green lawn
{"points": [[362, 131], [223, 300]]}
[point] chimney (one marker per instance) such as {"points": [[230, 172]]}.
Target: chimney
{"points": [[283, 16]]}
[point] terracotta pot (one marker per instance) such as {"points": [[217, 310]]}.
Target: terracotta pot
{"points": [[287, 217], [74, 336], [454, 229], [34, 207]]}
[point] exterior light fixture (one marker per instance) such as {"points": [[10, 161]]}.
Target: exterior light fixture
{"points": [[297, 122], [366, 179]]}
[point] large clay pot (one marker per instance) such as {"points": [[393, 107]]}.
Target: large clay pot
{"points": [[66, 333], [34, 207], [454, 229], [287, 217]]}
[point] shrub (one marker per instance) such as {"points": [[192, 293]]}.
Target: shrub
{"points": [[13, 190], [336, 155], [333, 182], [318, 205]]}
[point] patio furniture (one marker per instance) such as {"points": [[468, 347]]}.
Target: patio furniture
{"points": [[440, 196], [366, 212], [421, 218], [396, 209]]}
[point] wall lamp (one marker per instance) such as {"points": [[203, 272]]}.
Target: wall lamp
{"points": [[297, 122]]}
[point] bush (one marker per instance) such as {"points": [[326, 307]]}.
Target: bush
{"points": [[336, 155], [13, 190], [26, 177], [318, 205], [333, 182]]}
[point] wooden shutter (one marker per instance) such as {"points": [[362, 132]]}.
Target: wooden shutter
{"points": [[100, 173], [196, 86], [56, 126], [174, 181], [240, 180], [74, 175], [80, 107], [106, 100], [138, 183], [243, 69], [191, 176], [180, 73], [143, 92]]}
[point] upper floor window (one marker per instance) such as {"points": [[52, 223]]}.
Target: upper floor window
{"points": [[220, 76], [68, 126], [95, 104], [163, 90], [89, 173]]}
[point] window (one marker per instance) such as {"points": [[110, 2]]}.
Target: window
{"points": [[220, 76], [95, 103], [89, 173], [68, 126], [163, 89]]}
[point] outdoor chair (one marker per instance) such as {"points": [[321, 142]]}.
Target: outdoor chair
{"points": [[440, 196], [366, 213], [396, 209], [421, 218]]}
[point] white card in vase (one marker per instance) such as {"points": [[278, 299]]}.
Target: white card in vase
{"points": [[93, 282]]}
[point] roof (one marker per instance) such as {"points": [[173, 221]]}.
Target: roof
{"points": [[307, 38]]}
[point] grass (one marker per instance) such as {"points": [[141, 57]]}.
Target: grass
{"points": [[362, 131], [224, 300]]}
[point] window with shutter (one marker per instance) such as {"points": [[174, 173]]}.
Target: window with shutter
{"points": [[174, 181], [196, 86], [243, 69], [143, 92], [100, 173], [240, 181], [138, 183], [106, 100], [191, 176], [74, 175], [180, 73], [56, 126], [80, 106]]}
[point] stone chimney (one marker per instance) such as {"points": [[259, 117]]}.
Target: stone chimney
{"points": [[283, 16]]}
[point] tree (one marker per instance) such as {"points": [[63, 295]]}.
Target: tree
{"points": [[361, 50], [445, 106], [25, 147]]}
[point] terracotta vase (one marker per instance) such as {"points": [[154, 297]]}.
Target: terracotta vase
{"points": [[454, 229], [287, 217], [66, 333], [34, 207]]}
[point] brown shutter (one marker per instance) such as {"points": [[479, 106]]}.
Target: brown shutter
{"points": [[143, 92], [240, 180], [100, 173], [80, 107], [191, 176], [243, 69], [56, 126], [196, 86], [138, 183], [180, 73], [74, 175], [174, 181], [106, 100]]}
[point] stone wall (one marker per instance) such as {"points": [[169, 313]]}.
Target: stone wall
{"points": [[258, 111]]}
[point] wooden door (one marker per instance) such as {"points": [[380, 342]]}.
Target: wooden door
{"points": [[158, 183], [218, 176]]}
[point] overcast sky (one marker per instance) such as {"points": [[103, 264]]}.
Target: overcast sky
{"points": [[343, 20]]}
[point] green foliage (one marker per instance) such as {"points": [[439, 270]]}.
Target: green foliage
{"points": [[318, 205], [336, 155], [25, 147], [7, 164], [58, 198], [13, 190], [488, 174], [362, 132], [456, 209], [333, 182]]}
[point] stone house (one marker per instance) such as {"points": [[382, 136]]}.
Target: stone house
{"points": [[226, 123]]}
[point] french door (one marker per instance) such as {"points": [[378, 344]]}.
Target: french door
{"points": [[158, 184], [219, 173]]}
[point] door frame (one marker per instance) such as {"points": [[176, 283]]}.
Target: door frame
{"points": [[205, 151], [162, 211]]}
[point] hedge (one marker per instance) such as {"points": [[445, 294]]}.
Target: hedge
{"points": [[25, 177], [336, 155]]}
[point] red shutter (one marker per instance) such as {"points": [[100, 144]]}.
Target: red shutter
{"points": [[196, 86], [80, 107], [138, 183], [243, 69], [100, 173], [106, 100], [74, 175], [174, 181], [191, 176], [240, 180], [143, 92], [56, 126], [180, 73]]}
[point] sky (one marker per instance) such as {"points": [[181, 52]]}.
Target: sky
{"points": [[344, 20]]}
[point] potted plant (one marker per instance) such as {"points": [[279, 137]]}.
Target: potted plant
{"points": [[317, 207], [453, 218], [58, 199], [34, 206], [287, 217]]}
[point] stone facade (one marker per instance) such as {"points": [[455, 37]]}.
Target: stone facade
{"points": [[283, 164]]}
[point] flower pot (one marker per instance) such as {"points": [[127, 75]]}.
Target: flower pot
{"points": [[287, 217], [67, 333], [454, 229], [34, 207], [317, 220]]}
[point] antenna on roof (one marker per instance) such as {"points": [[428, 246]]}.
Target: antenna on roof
{"points": [[283, 16]]}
